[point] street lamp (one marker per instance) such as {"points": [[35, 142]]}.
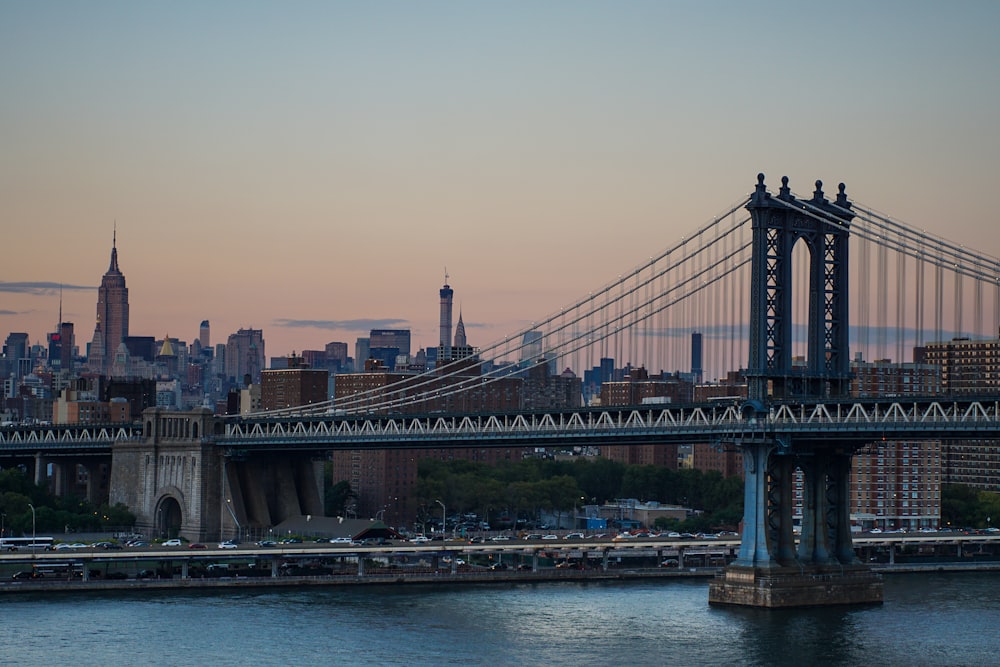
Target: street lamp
{"points": [[239, 528], [444, 516], [32, 525], [3, 521]]}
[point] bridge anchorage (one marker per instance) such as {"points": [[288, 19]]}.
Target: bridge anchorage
{"points": [[772, 571]]}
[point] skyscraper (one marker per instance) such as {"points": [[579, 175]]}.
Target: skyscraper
{"points": [[447, 296], [460, 340], [112, 314], [245, 355], [203, 335]]}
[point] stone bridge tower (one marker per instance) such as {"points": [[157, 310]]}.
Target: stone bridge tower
{"points": [[178, 482]]}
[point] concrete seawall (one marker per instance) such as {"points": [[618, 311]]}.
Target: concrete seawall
{"points": [[424, 578]]}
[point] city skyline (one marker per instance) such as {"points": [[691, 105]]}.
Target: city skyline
{"points": [[311, 172]]}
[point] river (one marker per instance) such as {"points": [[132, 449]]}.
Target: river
{"points": [[927, 619]]}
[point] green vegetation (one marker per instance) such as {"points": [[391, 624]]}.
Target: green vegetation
{"points": [[523, 488], [337, 497], [53, 514], [965, 507]]}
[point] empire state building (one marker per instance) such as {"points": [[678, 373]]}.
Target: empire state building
{"points": [[112, 315]]}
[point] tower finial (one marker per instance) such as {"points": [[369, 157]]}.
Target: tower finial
{"points": [[445, 275]]}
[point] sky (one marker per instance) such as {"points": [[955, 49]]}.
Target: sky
{"points": [[313, 169]]}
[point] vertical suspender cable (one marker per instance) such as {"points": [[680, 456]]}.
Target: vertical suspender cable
{"points": [[977, 309], [959, 324], [864, 294], [900, 303], [880, 300], [938, 301], [918, 328]]}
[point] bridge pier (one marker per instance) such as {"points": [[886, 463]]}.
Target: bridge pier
{"points": [[769, 571]]}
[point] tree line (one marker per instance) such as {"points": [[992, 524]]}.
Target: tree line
{"points": [[966, 507], [53, 514], [522, 489]]}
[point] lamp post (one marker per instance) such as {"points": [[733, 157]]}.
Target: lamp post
{"points": [[3, 521], [32, 525], [239, 528], [444, 516]]}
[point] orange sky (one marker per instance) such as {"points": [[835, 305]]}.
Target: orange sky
{"points": [[284, 168]]}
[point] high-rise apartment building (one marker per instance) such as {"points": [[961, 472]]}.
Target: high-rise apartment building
{"points": [[967, 366], [638, 389], [387, 479], [293, 387], [111, 326], [894, 484], [444, 344]]}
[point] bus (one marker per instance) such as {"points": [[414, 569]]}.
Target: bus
{"points": [[57, 571], [33, 543]]}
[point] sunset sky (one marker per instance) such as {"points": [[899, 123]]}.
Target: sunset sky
{"points": [[311, 168]]}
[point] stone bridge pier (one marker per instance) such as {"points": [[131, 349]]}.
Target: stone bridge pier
{"points": [[178, 482]]}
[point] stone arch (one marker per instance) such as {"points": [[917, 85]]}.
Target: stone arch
{"points": [[168, 516]]}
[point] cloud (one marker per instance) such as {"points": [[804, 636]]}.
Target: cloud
{"points": [[341, 325], [40, 288], [10, 312]]}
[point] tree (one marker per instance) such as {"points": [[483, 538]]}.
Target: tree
{"points": [[338, 497]]}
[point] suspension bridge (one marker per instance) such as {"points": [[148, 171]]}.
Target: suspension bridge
{"points": [[767, 288]]}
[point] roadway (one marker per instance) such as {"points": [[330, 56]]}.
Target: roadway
{"points": [[459, 548]]}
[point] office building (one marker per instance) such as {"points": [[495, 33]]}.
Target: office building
{"points": [[204, 335], [244, 357], [111, 326]]}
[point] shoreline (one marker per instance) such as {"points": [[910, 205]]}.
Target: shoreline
{"points": [[443, 577]]}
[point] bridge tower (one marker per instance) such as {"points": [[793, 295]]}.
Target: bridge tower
{"points": [[821, 569], [179, 482]]}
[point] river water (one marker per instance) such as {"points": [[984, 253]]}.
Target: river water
{"points": [[927, 619]]}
